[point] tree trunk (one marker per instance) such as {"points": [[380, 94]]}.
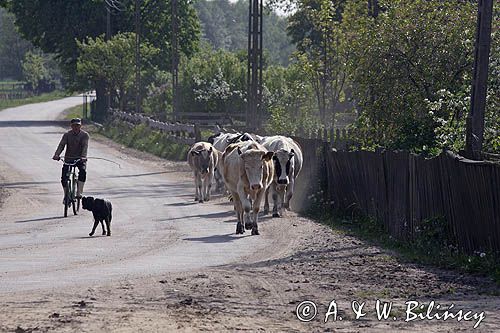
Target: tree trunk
{"points": [[100, 109]]}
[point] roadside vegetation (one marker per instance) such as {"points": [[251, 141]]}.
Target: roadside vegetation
{"points": [[4, 104], [142, 138]]}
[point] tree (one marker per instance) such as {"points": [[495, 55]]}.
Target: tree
{"points": [[214, 81], [40, 72], [55, 26], [315, 29], [408, 54], [12, 48], [112, 62]]}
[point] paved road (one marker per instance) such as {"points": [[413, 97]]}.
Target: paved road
{"points": [[156, 226]]}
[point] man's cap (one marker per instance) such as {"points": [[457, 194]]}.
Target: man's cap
{"points": [[76, 121]]}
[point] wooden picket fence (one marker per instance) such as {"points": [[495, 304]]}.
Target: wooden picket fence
{"points": [[401, 190], [177, 132]]}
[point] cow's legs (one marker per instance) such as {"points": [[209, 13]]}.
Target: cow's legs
{"points": [[196, 194], [281, 200], [256, 208], [247, 206], [219, 182], [239, 213], [289, 193], [266, 200], [199, 192], [103, 230], [208, 185], [277, 195]]}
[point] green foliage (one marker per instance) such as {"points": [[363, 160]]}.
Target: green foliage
{"points": [[40, 72], [113, 62], [10, 103], [410, 54], [214, 81], [322, 53], [142, 138], [56, 26], [12, 48], [289, 100], [225, 26]]}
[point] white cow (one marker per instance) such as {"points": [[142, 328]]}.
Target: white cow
{"points": [[203, 158], [247, 170], [288, 161], [220, 142]]}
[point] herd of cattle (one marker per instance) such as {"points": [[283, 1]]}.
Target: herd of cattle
{"points": [[249, 167]]}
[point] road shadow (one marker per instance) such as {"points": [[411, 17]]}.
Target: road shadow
{"points": [[217, 238], [40, 219], [89, 237], [182, 204], [219, 215], [26, 184], [149, 191], [32, 123]]}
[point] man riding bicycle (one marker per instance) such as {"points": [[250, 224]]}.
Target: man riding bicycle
{"points": [[76, 142]]}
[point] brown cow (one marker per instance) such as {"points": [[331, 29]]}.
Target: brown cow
{"points": [[247, 171], [203, 158]]}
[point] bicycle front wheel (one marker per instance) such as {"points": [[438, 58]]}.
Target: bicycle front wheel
{"points": [[67, 201], [73, 196]]}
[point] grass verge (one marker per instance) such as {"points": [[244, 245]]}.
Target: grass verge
{"points": [[73, 112], [431, 246], [4, 104], [142, 138]]}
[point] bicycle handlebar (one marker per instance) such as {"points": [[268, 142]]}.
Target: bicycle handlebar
{"points": [[70, 164]]}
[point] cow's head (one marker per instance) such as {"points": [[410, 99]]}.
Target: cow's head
{"points": [[283, 165], [202, 159], [253, 163]]}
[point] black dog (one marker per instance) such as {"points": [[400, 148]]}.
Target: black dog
{"points": [[101, 209]]}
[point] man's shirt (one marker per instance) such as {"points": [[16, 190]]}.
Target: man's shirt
{"points": [[76, 145]]}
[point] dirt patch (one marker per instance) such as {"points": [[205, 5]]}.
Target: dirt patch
{"points": [[261, 293]]}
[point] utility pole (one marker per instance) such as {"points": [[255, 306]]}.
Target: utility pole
{"points": [[175, 59], [108, 37], [255, 64], [138, 99], [373, 8], [475, 120]]}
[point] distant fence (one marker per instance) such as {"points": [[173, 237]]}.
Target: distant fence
{"points": [[401, 190], [176, 132], [13, 90]]}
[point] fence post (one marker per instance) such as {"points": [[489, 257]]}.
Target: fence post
{"points": [[197, 133]]}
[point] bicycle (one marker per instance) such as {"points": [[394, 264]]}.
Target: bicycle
{"points": [[70, 198]]}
